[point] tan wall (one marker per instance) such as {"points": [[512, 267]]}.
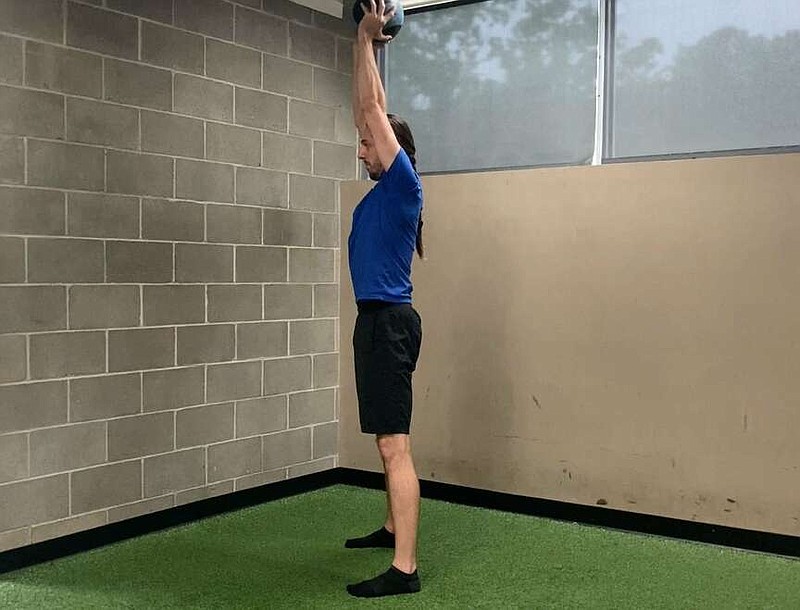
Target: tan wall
{"points": [[629, 333]]}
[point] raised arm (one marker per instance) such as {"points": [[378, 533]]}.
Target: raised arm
{"points": [[369, 99]]}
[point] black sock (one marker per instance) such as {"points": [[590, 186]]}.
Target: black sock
{"points": [[381, 538], [391, 582]]}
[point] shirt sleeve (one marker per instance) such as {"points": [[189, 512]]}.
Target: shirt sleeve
{"points": [[401, 176]]}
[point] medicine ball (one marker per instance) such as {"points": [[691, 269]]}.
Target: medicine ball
{"points": [[394, 24]]}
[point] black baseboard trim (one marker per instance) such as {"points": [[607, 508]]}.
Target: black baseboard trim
{"points": [[751, 540], [79, 542]]}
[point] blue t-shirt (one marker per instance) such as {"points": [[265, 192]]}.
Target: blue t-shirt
{"points": [[384, 235]]}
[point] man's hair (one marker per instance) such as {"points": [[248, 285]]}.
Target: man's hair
{"points": [[406, 140]]}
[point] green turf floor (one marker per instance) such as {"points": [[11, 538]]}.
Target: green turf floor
{"points": [[289, 554]]}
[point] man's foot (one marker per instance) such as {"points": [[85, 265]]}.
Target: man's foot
{"points": [[391, 582], [381, 538]]}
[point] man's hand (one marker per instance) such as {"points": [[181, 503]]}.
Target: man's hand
{"points": [[375, 18]]}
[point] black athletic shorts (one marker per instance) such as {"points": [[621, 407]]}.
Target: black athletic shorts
{"points": [[386, 343]]}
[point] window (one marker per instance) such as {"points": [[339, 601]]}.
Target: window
{"points": [[704, 75], [503, 83], [511, 83]]}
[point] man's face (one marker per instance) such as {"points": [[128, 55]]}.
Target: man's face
{"points": [[368, 154]]}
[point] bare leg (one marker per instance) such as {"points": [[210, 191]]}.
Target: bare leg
{"points": [[403, 489], [389, 524]]}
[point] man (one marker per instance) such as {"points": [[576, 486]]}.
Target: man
{"points": [[387, 227]]}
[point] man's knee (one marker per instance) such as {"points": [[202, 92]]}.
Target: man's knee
{"points": [[393, 447]]}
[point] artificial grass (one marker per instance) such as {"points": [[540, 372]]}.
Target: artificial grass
{"points": [[290, 554]]}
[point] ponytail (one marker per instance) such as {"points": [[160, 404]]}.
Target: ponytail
{"points": [[403, 134]]}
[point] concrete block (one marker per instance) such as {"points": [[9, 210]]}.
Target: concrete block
{"points": [[67, 448], [233, 144], [311, 265], [286, 153], [104, 397], [203, 263], [344, 55], [105, 486], [301, 470], [312, 336], [65, 260], [326, 301], [67, 354], [31, 113], [103, 306], [139, 174], [42, 19], [260, 479], [172, 135], [286, 448], [335, 161], [157, 10], [261, 110], [146, 348], [262, 340], [201, 493], [204, 98], [325, 439], [95, 29], [98, 123], [260, 264], [312, 45], [261, 187], [27, 211], [143, 507], [312, 193], [32, 308], [13, 360], [212, 17], [306, 408], [12, 260], [346, 132], [326, 230], [138, 85], [174, 472], [11, 61], [140, 435], [289, 10], [173, 220], [260, 416], [173, 389], [312, 120], [234, 303], [35, 501], [172, 48], [173, 304], [60, 69], [99, 215], [287, 375], [233, 63], [68, 166], [326, 370], [287, 77], [32, 405], [287, 301], [262, 31], [234, 459], [14, 456], [201, 344], [234, 381], [12, 160], [139, 262], [332, 88], [204, 425], [65, 527], [233, 224], [204, 181]]}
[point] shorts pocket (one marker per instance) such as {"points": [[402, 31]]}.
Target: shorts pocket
{"points": [[364, 333]]}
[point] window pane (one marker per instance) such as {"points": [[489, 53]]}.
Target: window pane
{"points": [[498, 83], [704, 75]]}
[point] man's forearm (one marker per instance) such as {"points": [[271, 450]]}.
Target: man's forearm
{"points": [[369, 85]]}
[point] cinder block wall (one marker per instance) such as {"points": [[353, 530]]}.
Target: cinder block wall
{"points": [[169, 244]]}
